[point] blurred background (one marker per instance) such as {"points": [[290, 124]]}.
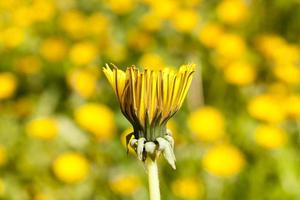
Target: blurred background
{"points": [[61, 130]]}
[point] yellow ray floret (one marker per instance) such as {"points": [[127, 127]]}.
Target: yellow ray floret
{"points": [[150, 97]]}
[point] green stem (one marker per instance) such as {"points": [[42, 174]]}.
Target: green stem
{"points": [[153, 179]]}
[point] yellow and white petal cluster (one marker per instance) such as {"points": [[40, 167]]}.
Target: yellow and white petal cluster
{"points": [[149, 98]]}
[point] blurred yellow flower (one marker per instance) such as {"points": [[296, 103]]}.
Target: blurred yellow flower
{"points": [[267, 108], [12, 37], [192, 3], [71, 167], [83, 81], [97, 119], [43, 10], [223, 160], [23, 16], [210, 34], [3, 155], [97, 24], [185, 20], [73, 22], [287, 54], [278, 50], [269, 45], [45, 128], [231, 46], [207, 124], [288, 73], [8, 83], [151, 22], [125, 184], [232, 11], [28, 65], [83, 53], [188, 188], [293, 106], [53, 49], [240, 73], [164, 9], [121, 6], [40, 196], [270, 137], [151, 61]]}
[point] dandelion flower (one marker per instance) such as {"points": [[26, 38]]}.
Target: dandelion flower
{"points": [[148, 99]]}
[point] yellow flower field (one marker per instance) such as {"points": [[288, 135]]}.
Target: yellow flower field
{"points": [[62, 132]]}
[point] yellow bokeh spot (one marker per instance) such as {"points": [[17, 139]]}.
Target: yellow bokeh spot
{"points": [[151, 61], [240, 73], [28, 65], [231, 46], [125, 184], [41, 196], [97, 24], [232, 11], [97, 119], [277, 50], [73, 22], [83, 81], [269, 45], [293, 106], [151, 22], [210, 34], [45, 128], [223, 160], [12, 37], [43, 10], [270, 137], [185, 20], [287, 54], [207, 124], [267, 108], [23, 16], [3, 155], [288, 73], [83, 53], [188, 188], [8, 83], [71, 167], [164, 9], [121, 6], [53, 49]]}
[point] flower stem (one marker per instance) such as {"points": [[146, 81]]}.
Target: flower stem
{"points": [[153, 179]]}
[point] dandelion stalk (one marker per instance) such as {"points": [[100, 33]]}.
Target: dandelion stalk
{"points": [[148, 99], [153, 179]]}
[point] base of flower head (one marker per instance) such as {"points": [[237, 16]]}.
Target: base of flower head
{"points": [[152, 149]]}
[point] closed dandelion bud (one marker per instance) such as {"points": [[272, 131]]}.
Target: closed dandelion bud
{"points": [[148, 99]]}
